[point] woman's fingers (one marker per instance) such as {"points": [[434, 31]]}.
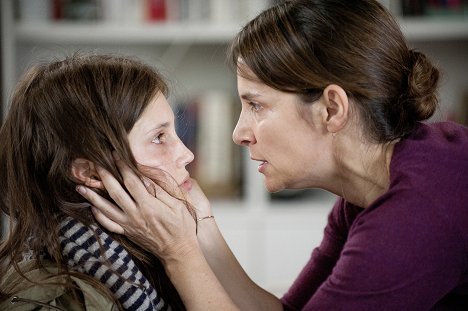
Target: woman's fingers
{"points": [[149, 185], [198, 199], [105, 207], [154, 217], [165, 197], [115, 190], [106, 222], [132, 182]]}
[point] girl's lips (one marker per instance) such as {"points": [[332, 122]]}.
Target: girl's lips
{"points": [[187, 185]]}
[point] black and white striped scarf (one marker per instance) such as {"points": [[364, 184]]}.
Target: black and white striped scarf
{"points": [[114, 267]]}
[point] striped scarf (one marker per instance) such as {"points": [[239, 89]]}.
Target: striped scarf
{"points": [[111, 265]]}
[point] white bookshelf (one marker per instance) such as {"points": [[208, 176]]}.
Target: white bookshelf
{"points": [[423, 29], [415, 29], [108, 33], [272, 240]]}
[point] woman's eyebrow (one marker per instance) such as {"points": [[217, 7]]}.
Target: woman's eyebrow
{"points": [[249, 95]]}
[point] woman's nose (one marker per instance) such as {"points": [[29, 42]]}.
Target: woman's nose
{"points": [[243, 135]]}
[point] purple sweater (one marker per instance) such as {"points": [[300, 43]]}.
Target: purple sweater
{"points": [[409, 249]]}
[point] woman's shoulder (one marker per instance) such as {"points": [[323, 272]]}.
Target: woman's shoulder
{"points": [[432, 153], [438, 137], [44, 288]]}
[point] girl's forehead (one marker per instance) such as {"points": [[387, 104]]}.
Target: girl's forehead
{"points": [[156, 114]]}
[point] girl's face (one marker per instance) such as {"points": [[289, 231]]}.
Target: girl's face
{"points": [[292, 151], [154, 142]]}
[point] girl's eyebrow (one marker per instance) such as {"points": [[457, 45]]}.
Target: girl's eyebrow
{"points": [[158, 127]]}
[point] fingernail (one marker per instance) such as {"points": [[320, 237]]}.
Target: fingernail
{"points": [[146, 182], [81, 189], [115, 155]]}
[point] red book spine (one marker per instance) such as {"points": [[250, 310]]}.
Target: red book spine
{"points": [[57, 9], [156, 10]]}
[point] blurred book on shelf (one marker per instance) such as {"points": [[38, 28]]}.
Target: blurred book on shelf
{"points": [[459, 113], [394, 6], [435, 8], [462, 116], [36, 11], [156, 10], [142, 11], [205, 124], [77, 10], [199, 11]]}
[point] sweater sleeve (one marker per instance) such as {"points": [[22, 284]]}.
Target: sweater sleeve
{"points": [[403, 257], [323, 258]]}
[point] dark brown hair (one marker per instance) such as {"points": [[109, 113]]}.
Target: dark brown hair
{"points": [[305, 45], [80, 107]]}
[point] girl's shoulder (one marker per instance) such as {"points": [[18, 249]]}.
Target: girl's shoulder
{"points": [[44, 289]]}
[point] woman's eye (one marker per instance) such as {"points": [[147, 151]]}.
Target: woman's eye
{"points": [[254, 107], [158, 139]]}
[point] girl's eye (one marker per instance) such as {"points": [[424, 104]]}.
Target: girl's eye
{"points": [[158, 139], [254, 106]]}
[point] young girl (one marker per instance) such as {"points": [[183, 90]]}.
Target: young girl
{"points": [[65, 120]]}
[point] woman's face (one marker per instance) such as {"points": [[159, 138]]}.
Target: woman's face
{"points": [[154, 142], [292, 151]]}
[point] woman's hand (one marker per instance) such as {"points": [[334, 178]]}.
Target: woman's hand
{"points": [[161, 224], [199, 201], [157, 222]]}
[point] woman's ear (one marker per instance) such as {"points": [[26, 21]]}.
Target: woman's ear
{"points": [[85, 171], [337, 104]]}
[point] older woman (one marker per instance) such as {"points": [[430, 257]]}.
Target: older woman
{"points": [[332, 97]]}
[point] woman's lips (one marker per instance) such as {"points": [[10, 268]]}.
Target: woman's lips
{"points": [[262, 166]]}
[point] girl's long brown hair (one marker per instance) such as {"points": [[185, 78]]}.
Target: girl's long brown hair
{"points": [[80, 107]]}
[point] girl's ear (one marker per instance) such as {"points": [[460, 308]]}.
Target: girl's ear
{"points": [[85, 171], [337, 104]]}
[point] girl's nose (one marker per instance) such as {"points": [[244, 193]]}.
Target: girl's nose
{"points": [[186, 156]]}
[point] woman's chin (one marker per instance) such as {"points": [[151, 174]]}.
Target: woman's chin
{"points": [[273, 187]]}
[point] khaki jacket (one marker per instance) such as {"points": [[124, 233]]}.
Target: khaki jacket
{"points": [[27, 296]]}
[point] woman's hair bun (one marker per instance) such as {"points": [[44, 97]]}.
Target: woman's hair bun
{"points": [[423, 80]]}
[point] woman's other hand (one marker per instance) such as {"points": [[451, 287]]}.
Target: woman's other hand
{"points": [[156, 221]]}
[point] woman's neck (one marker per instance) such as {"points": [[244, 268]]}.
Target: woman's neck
{"points": [[363, 170]]}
